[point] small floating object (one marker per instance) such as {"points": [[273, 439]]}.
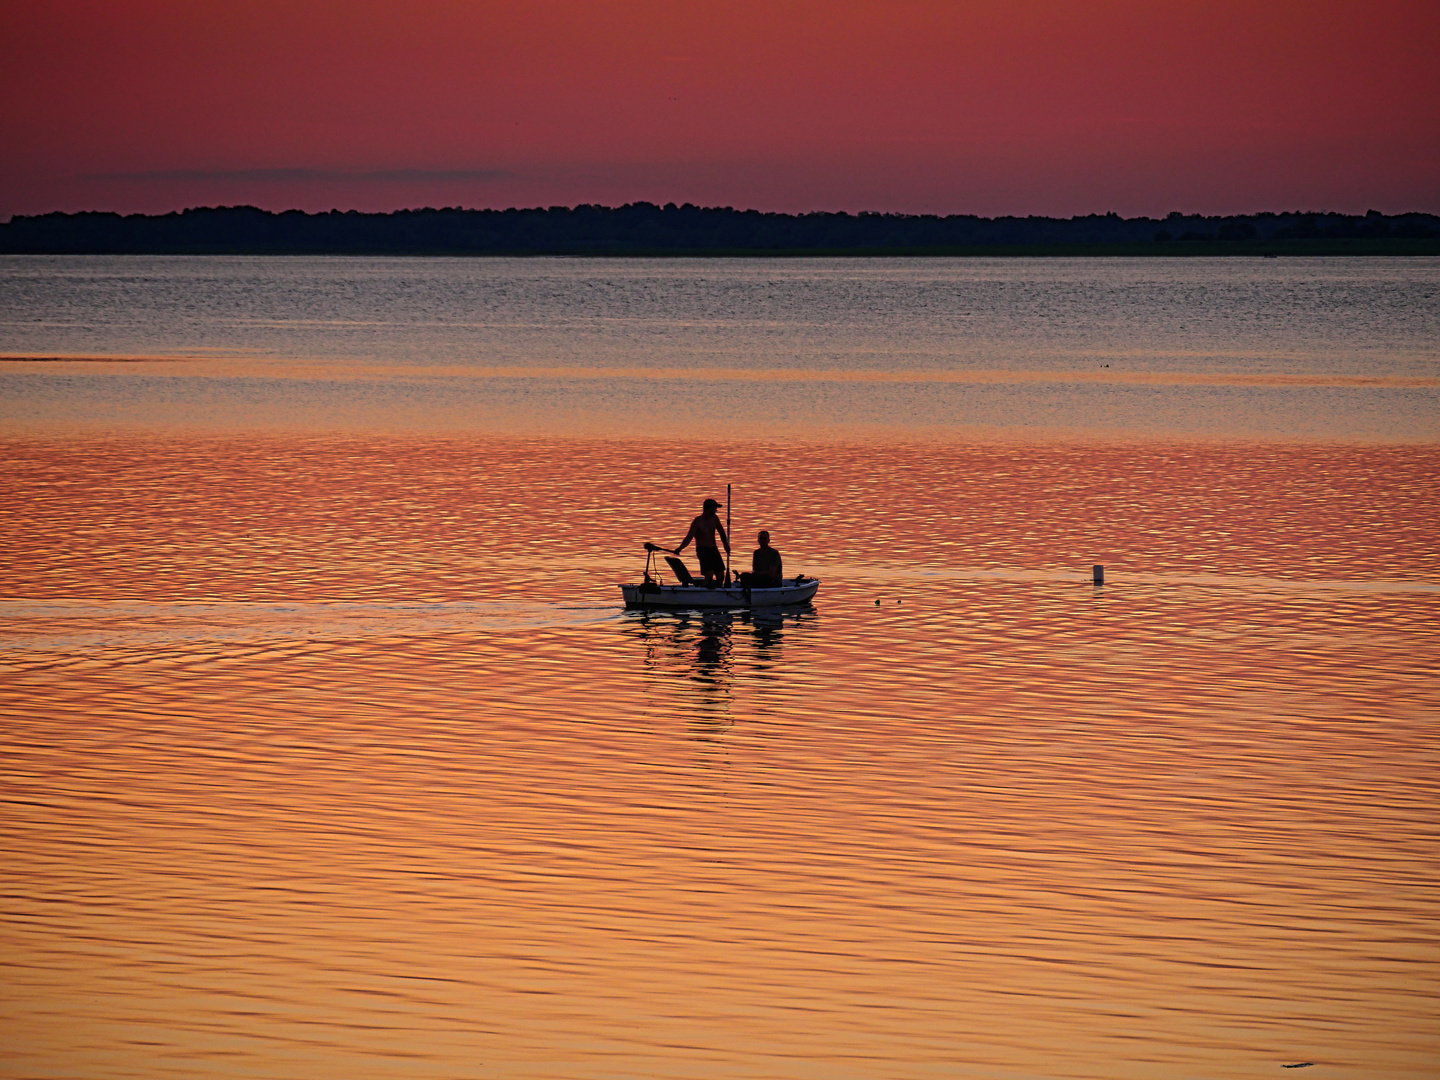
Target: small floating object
{"points": [[877, 603], [1097, 574], [1301, 1064]]}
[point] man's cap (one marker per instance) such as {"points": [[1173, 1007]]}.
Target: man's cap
{"points": [[711, 504]]}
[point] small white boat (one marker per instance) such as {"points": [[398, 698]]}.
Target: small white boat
{"points": [[652, 594]]}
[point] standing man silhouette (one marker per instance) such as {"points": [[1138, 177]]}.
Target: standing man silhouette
{"points": [[703, 530]]}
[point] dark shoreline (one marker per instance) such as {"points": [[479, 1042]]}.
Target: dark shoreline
{"points": [[647, 230], [1418, 248]]}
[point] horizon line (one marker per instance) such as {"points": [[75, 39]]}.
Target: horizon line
{"points": [[671, 205]]}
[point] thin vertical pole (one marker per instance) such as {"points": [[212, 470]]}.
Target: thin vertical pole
{"points": [[730, 539]]}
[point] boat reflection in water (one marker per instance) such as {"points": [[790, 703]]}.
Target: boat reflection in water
{"points": [[702, 664]]}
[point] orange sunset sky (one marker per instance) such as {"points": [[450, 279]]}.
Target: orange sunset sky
{"points": [[962, 107]]}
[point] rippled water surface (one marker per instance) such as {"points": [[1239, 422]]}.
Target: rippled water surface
{"points": [[328, 751], [335, 757]]}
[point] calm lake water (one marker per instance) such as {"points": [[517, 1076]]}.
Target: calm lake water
{"points": [[843, 348], [329, 752]]}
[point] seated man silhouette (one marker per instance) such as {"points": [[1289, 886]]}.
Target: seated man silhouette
{"points": [[766, 570]]}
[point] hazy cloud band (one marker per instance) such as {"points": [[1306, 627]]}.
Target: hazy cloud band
{"points": [[290, 176]]}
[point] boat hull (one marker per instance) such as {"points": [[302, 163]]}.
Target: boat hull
{"points": [[698, 596]]}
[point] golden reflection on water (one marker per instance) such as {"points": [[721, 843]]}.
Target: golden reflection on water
{"points": [[238, 367], [1000, 824]]}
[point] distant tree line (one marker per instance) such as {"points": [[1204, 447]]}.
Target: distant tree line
{"points": [[643, 227]]}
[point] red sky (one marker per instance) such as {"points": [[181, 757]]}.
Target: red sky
{"points": [[988, 107]]}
